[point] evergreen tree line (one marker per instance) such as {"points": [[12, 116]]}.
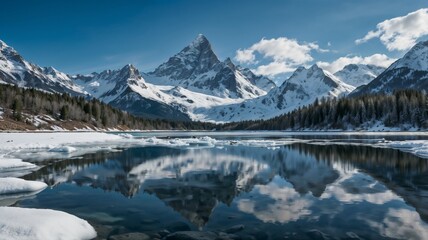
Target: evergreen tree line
{"points": [[17, 102], [403, 108]]}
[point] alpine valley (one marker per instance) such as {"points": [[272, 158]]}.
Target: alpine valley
{"points": [[195, 85]]}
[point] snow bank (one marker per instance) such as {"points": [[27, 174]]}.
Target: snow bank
{"points": [[14, 164], [11, 141], [43, 224], [16, 185], [45, 145]]}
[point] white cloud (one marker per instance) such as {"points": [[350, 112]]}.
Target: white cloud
{"points": [[245, 56], [284, 55], [380, 60], [274, 68], [400, 33]]}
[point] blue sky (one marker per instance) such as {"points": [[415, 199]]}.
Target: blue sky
{"points": [[82, 36]]}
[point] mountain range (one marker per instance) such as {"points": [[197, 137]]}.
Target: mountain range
{"points": [[195, 84]]}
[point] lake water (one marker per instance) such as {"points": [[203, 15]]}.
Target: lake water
{"points": [[295, 191]]}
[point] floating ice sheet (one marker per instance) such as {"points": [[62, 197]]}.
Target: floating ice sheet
{"points": [[43, 224]]}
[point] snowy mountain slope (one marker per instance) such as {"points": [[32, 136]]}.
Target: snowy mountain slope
{"points": [[194, 104], [197, 68], [358, 74], [302, 88], [260, 81], [410, 71], [109, 84], [127, 90], [14, 69]]}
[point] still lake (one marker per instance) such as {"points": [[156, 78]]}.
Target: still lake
{"points": [[298, 190]]}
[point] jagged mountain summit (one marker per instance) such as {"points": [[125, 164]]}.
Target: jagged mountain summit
{"points": [[302, 88], [197, 68], [14, 69], [108, 84], [410, 71], [359, 74]]}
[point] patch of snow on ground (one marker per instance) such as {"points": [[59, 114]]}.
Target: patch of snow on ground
{"points": [[14, 141], [14, 164], [43, 224], [14, 167], [16, 185]]}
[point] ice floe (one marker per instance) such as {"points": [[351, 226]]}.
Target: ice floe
{"points": [[43, 140], [14, 189], [206, 141], [11, 185], [14, 167], [65, 149], [43, 224], [417, 147]]}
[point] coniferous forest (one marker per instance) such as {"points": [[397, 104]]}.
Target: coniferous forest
{"points": [[402, 109], [22, 106]]}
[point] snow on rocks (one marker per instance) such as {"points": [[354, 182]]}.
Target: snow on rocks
{"points": [[12, 185], [34, 224]]}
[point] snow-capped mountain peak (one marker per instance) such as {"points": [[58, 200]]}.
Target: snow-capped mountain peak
{"points": [[359, 74], [198, 68], [197, 58], [408, 72], [14, 69], [9, 53], [53, 73], [313, 76], [3, 45], [416, 58], [200, 40], [302, 88]]}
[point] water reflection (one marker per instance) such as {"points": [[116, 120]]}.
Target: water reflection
{"points": [[334, 188]]}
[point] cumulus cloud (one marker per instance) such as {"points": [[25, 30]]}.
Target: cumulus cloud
{"points": [[377, 59], [400, 33], [274, 68], [245, 56], [284, 54]]}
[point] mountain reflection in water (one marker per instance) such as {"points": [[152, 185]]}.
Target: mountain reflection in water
{"points": [[349, 187]]}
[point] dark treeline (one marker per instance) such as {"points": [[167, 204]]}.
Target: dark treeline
{"points": [[404, 109], [18, 103]]}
